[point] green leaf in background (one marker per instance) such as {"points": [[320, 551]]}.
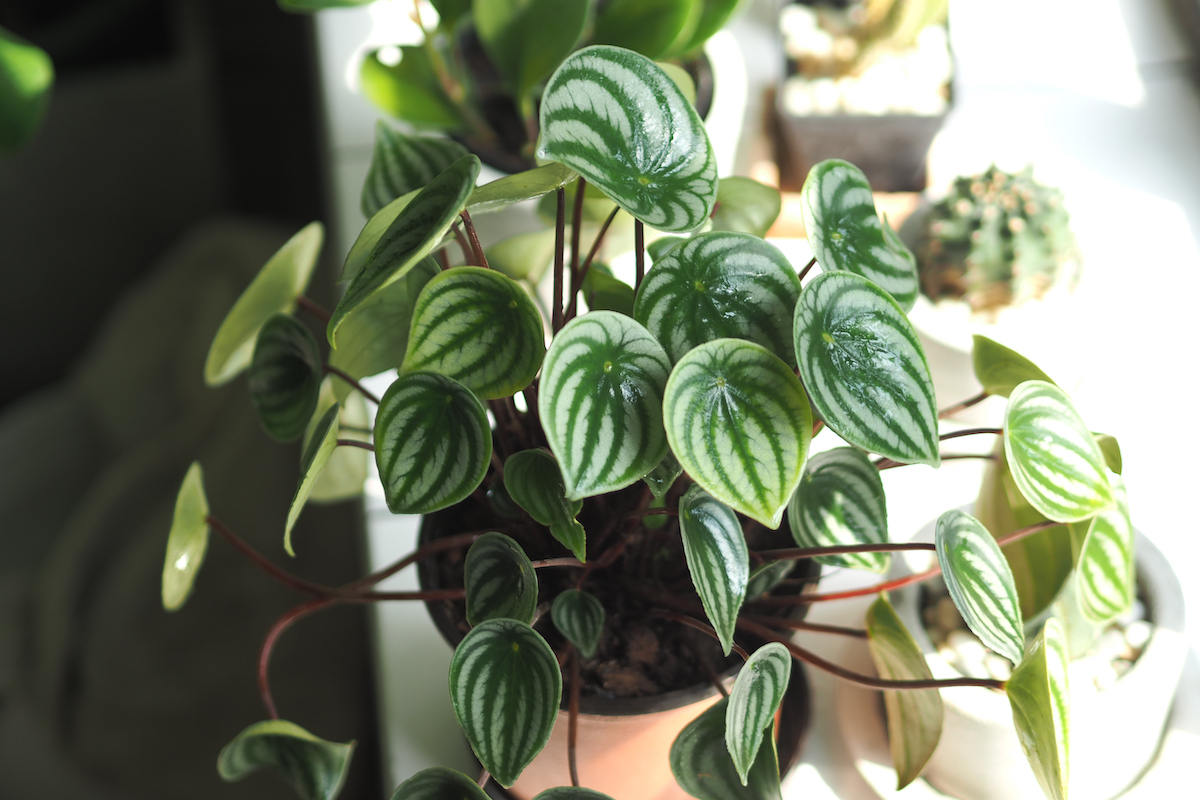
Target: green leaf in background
{"points": [[285, 377], [756, 696], [520, 186], [500, 580], [310, 6], [846, 234], [980, 583], [663, 245], [579, 617], [527, 39], [600, 402], [506, 686], [315, 768], [523, 256], [316, 455], [663, 477], [596, 205], [273, 291], [681, 78], [739, 423], [618, 120], [653, 28], [432, 443], [865, 370], [720, 285], [840, 501], [766, 577], [713, 16], [717, 558], [439, 783], [914, 716], [478, 327], [401, 164], [603, 292], [702, 766], [1106, 571], [371, 233], [1054, 458], [26, 80], [449, 11], [535, 483], [187, 541], [412, 235], [999, 369], [571, 793], [1040, 696], [407, 89], [746, 206], [1111, 450], [346, 470]]}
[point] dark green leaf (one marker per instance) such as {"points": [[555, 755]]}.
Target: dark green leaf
{"points": [[603, 292], [755, 698], [701, 764], [713, 17], [527, 39], [26, 80], [663, 477], [1106, 574], [316, 454], [746, 206], [315, 768], [439, 783], [663, 245], [408, 89], [371, 233], [766, 577], [579, 617], [450, 10], [402, 164], [187, 541], [1039, 695], [535, 483], [650, 27], [571, 793], [285, 377], [499, 579], [717, 558], [999, 369], [840, 501], [310, 6]]}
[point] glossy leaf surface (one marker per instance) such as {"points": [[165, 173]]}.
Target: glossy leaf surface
{"points": [[1039, 695], [663, 477], [439, 783], [653, 28], [579, 617], [515, 188], [187, 541], [1106, 566], [316, 455], [499, 579], [535, 483], [717, 558], [402, 164], [372, 232], [1000, 370], [746, 206], [285, 377], [527, 39], [702, 766], [408, 89], [26, 80], [756, 696], [840, 501], [315, 768], [346, 470]]}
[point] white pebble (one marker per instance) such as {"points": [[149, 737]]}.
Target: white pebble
{"points": [[1138, 634]]}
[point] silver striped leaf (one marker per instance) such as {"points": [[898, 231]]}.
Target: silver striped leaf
{"points": [[402, 163], [756, 695], [372, 232], [840, 501], [478, 327], [663, 477], [1040, 698], [702, 766], [285, 377], [865, 370], [1054, 458], [314, 767], [579, 617], [980, 583], [739, 423], [600, 402], [505, 686], [1000, 370], [717, 558], [188, 540], [439, 783], [1105, 568], [618, 120], [432, 443], [571, 793], [846, 234], [535, 483], [499, 579], [316, 455], [720, 285]]}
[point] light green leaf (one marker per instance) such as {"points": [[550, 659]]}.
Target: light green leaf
{"points": [[520, 186], [346, 470], [500, 580], [653, 28], [409, 89], [535, 483], [1039, 695], [579, 617], [766, 577], [702, 766], [527, 39], [26, 81], [603, 292], [571, 793], [840, 501], [402, 164], [999, 369], [739, 423], [865, 370], [505, 686], [746, 206], [187, 541], [439, 783], [315, 768], [681, 78], [756, 696], [663, 477], [713, 17], [316, 454], [1111, 450], [523, 256], [717, 558], [1106, 573], [371, 233], [310, 6], [285, 377]]}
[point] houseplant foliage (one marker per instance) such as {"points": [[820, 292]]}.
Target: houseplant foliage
{"points": [[698, 404]]}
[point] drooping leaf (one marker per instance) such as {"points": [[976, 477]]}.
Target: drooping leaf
{"points": [[756, 696], [26, 80], [746, 206], [527, 39], [523, 256], [865, 370], [603, 292], [840, 501], [720, 285], [505, 686], [620, 121], [371, 233], [717, 558], [739, 423], [408, 89], [663, 477], [579, 617], [1000, 370], [702, 766], [500, 580], [1040, 696], [535, 483], [439, 783], [346, 470], [713, 17], [766, 577], [650, 27], [187, 541], [285, 377], [1106, 572], [432, 443], [600, 402], [571, 793], [316, 454], [401, 164], [1110, 448], [980, 583], [520, 186], [315, 768]]}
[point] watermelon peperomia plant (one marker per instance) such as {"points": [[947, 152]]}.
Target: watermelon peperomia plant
{"points": [[675, 416]]}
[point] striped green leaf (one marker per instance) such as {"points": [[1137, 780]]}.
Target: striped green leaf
{"points": [[499, 580], [579, 617], [1106, 574], [1000, 370], [756, 696], [439, 783], [717, 558], [571, 793], [840, 501], [600, 401], [654, 28], [505, 686], [346, 470], [865, 370], [1054, 458], [274, 290], [432, 443], [663, 477], [720, 285], [285, 377], [527, 39], [371, 233], [315, 768], [316, 455], [535, 483], [411, 236], [846, 234], [187, 541], [618, 120], [520, 186], [980, 583], [739, 423], [703, 768], [746, 206], [1039, 695], [408, 89], [766, 577], [401, 164], [914, 716]]}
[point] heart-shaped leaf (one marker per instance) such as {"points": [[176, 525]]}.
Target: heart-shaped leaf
{"points": [[746, 206], [766, 577], [571, 793], [505, 686], [756, 696], [523, 256], [840, 501], [914, 716], [527, 39], [739, 423], [618, 120], [315, 768], [519, 186], [439, 783], [663, 477], [273, 291], [407, 89], [846, 234], [187, 541], [651, 27], [717, 558], [1106, 573], [865, 370], [579, 617], [346, 470], [702, 766], [401, 164], [600, 401], [1040, 697], [316, 454], [26, 79], [999, 369], [478, 327], [535, 483], [720, 285], [980, 583], [432, 443], [285, 377], [500, 580]]}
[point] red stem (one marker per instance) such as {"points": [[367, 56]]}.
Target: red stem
{"points": [[965, 404], [463, 245], [703, 627], [800, 625], [356, 443], [332, 370], [811, 263], [284, 577], [577, 226], [968, 432], [792, 553], [577, 281], [433, 548], [639, 250], [556, 316], [573, 717], [314, 308], [565, 561], [264, 656], [476, 247]]}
